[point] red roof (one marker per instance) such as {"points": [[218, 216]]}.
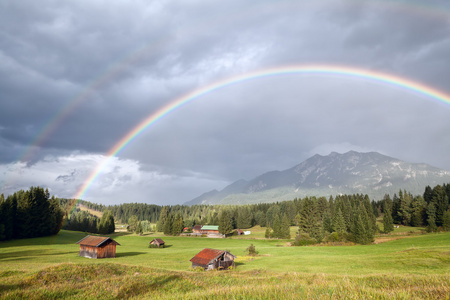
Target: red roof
{"points": [[95, 241], [205, 256]]}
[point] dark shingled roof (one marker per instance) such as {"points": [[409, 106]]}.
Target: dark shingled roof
{"points": [[205, 256], [159, 241], [95, 241]]}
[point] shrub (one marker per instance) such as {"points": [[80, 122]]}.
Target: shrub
{"points": [[251, 250], [303, 239]]}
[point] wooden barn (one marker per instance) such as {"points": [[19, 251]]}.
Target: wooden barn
{"points": [[157, 243], [197, 229], [210, 259], [97, 247], [209, 229]]}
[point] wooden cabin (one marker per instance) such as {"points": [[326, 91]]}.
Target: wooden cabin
{"points": [[208, 229], [157, 243], [97, 247], [197, 229], [210, 259]]}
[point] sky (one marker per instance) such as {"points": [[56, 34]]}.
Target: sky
{"points": [[76, 77]]}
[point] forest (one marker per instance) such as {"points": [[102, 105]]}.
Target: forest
{"points": [[336, 219]]}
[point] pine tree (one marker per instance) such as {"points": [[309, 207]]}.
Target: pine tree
{"points": [[163, 215], [338, 222], [446, 221], [225, 223], [177, 225], [388, 222], [285, 229], [106, 223], [276, 227], [431, 212]]}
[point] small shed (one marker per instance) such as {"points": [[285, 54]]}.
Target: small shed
{"points": [[239, 232], [97, 247], [210, 259], [157, 243]]}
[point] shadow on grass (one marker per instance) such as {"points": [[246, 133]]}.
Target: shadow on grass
{"points": [[165, 246], [31, 254], [126, 254]]}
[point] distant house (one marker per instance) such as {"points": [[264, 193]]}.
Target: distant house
{"points": [[208, 229], [197, 229], [97, 247], [239, 232], [210, 259], [157, 243]]}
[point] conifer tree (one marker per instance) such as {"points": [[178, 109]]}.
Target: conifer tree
{"points": [[285, 231], [225, 223], [388, 222], [338, 222], [276, 227]]}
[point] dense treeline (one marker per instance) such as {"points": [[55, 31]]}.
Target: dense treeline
{"points": [[430, 210], [81, 220], [27, 214]]}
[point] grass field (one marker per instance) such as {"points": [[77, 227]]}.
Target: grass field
{"points": [[415, 266]]}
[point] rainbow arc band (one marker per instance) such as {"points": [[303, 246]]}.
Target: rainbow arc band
{"points": [[324, 70]]}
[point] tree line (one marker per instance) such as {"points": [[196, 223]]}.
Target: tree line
{"points": [[81, 220], [430, 210], [29, 214]]}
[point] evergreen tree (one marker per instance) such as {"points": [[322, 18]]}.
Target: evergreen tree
{"points": [[168, 224], [338, 222], [276, 227], [106, 223], [163, 215], [225, 223], [446, 221], [388, 222], [132, 223], [178, 224], [285, 229], [431, 212]]}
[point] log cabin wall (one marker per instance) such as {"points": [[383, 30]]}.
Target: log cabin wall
{"points": [[106, 251], [88, 251]]}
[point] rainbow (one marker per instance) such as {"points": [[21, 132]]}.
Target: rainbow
{"points": [[324, 70], [428, 10]]}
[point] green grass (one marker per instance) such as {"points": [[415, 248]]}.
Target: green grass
{"points": [[412, 267]]}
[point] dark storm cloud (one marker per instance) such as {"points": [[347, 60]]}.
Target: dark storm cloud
{"points": [[115, 63]]}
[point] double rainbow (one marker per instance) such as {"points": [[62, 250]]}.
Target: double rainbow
{"points": [[324, 70]]}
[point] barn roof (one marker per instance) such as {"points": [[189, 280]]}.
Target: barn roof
{"points": [[197, 227], [210, 227], [95, 241], [204, 257], [159, 241]]}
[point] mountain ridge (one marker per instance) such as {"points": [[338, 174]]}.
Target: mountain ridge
{"points": [[352, 172]]}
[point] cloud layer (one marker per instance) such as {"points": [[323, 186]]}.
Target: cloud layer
{"points": [[77, 76]]}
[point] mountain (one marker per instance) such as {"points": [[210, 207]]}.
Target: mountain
{"points": [[365, 173]]}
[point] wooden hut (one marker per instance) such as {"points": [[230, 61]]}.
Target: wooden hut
{"points": [[97, 247], [157, 243], [197, 229], [239, 232], [210, 259]]}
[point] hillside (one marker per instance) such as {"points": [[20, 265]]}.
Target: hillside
{"points": [[365, 173]]}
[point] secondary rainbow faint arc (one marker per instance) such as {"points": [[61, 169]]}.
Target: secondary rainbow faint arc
{"points": [[343, 71]]}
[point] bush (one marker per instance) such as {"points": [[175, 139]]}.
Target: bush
{"points": [[251, 250], [303, 239]]}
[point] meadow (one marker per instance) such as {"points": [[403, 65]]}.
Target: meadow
{"points": [[409, 265]]}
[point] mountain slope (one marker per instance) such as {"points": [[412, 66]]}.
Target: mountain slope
{"points": [[349, 173]]}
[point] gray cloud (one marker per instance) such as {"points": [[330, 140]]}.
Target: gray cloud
{"points": [[98, 69]]}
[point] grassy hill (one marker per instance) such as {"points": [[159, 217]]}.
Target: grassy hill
{"points": [[50, 267]]}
